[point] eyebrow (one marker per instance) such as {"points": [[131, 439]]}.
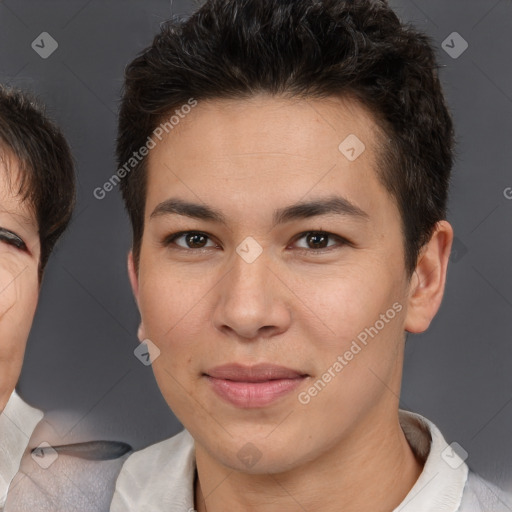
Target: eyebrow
{"points": [[336, 205]]}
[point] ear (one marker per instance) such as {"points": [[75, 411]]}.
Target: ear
{"points": [[428, 281], [134, 278], [134, 281]]}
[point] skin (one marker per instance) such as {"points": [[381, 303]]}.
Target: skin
{"points": [[295, 305], [19, 284]]}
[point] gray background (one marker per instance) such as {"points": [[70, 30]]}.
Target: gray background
{"points": [[80, 354]]}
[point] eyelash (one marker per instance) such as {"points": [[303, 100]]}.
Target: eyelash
{"points": [[12, 239], [170, 239]]}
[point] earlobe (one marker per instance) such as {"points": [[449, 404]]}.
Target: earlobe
{"points": [[141, 332], [428, 282]]}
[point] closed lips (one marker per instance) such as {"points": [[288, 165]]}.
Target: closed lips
{"points": [[258, 373]]}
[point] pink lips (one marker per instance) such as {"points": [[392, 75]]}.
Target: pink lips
{"points": [[253, 386]]}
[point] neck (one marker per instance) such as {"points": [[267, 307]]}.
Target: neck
{"points": [[381, 455]]}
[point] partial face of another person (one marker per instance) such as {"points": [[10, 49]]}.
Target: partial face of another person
{"points": [[19, 284], [257, 284]]}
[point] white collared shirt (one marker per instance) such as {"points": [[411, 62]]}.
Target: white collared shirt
{"points": [[160, 478], [17, 422]]}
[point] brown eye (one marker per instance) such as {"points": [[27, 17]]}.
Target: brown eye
{"points": [[316, 241], [196, 240], [193, 240]]}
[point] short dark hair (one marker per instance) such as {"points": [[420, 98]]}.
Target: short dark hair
{"points": [[47, 177], [311, 49]]}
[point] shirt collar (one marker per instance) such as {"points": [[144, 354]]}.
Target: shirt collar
{"points": [[441, 483], [17, 422], [161, 477]]}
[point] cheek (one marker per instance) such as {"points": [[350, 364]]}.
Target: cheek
{"points": [[348, 301], [170, 305], [364, 313], [8, 292], [19, 290], [171, 312], [18, 301]]}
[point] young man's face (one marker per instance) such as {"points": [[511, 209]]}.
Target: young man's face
{"points": [[251, 292], [19, 284]]}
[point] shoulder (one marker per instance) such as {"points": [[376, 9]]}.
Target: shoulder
{"points": [[64, 473], [482, 495], [78, 479]]}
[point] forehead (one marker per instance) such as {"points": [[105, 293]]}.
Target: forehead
{"points": [[12, 205], [251, 151], [262, 123]]}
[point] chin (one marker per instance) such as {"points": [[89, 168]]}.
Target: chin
{"points": [[256, 455]]}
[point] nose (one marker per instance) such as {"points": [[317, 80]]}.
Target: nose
{"points": [[253, 303]]}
